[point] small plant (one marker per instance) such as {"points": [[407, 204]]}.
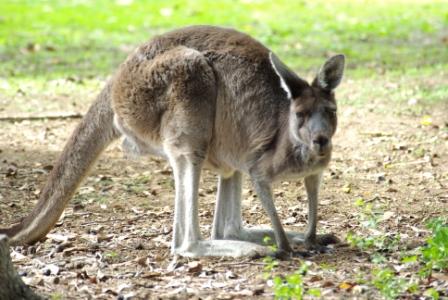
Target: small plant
{"points": [[432, 293], [290, 286], [270, 265], [369, 218], [435, 253], [268, 242], [389, 284], [434, 256], [111, 257], [56, 296]]}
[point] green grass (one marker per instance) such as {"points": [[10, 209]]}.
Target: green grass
{"points": [[44, 43], [80, 38], [435, 254], [380, 246]]}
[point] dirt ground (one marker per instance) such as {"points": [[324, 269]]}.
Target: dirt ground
{"points": [[113, 240]]}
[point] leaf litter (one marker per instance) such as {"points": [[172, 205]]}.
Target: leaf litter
{"points": [[113, 241]]}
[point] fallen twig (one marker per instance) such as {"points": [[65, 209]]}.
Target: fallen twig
{"points": [[242, 263], [51, 116]]}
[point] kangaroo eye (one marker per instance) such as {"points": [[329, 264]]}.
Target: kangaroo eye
{"points": [[300, 114]]}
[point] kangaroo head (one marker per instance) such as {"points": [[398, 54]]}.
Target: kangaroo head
{"points": [[312, 115]]}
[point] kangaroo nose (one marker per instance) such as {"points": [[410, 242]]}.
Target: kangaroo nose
{"points": [[321, 141]]}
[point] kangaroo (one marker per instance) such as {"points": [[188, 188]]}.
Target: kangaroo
{"points": [[205, 96]]}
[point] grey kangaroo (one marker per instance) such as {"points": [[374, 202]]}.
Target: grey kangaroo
{"points": [[206, 96]]}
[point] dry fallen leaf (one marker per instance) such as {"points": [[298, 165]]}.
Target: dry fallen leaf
{"points": [[141, 261], [194, 267], [148, 275], [346, 285], [328, 284], [315, 278], [426, 120], [440, 276], [346, 188], [387, 215]]}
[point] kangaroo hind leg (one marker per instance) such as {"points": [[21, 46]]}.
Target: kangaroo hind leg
{"points": [[186, 132]]}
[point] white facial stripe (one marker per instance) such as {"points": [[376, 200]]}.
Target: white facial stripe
{"points": [[282, 81], [293, 130]]}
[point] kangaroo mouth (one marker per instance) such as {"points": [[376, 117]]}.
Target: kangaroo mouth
{"points": [[322, 152]]}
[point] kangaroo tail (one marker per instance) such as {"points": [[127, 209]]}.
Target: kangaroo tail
{"points": [[95, 132]]}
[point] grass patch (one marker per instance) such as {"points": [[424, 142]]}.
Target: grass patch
{"points": [[435, 253], [288, 286], [390, 283], [55, 55], [90, 38]]}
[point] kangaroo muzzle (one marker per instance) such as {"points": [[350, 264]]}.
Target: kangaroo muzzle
{"points": [[321, 145]]}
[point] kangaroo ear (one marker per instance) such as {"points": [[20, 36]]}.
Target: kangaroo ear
{"points": [[289, 80], [330, 74]]}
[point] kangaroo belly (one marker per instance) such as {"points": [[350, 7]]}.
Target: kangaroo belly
{"points": [[133, 146]]}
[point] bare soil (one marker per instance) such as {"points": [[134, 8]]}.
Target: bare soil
{"points": [[113, 240]]}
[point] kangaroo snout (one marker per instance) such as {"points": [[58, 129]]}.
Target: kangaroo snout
{"points": [[321, 145]]}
